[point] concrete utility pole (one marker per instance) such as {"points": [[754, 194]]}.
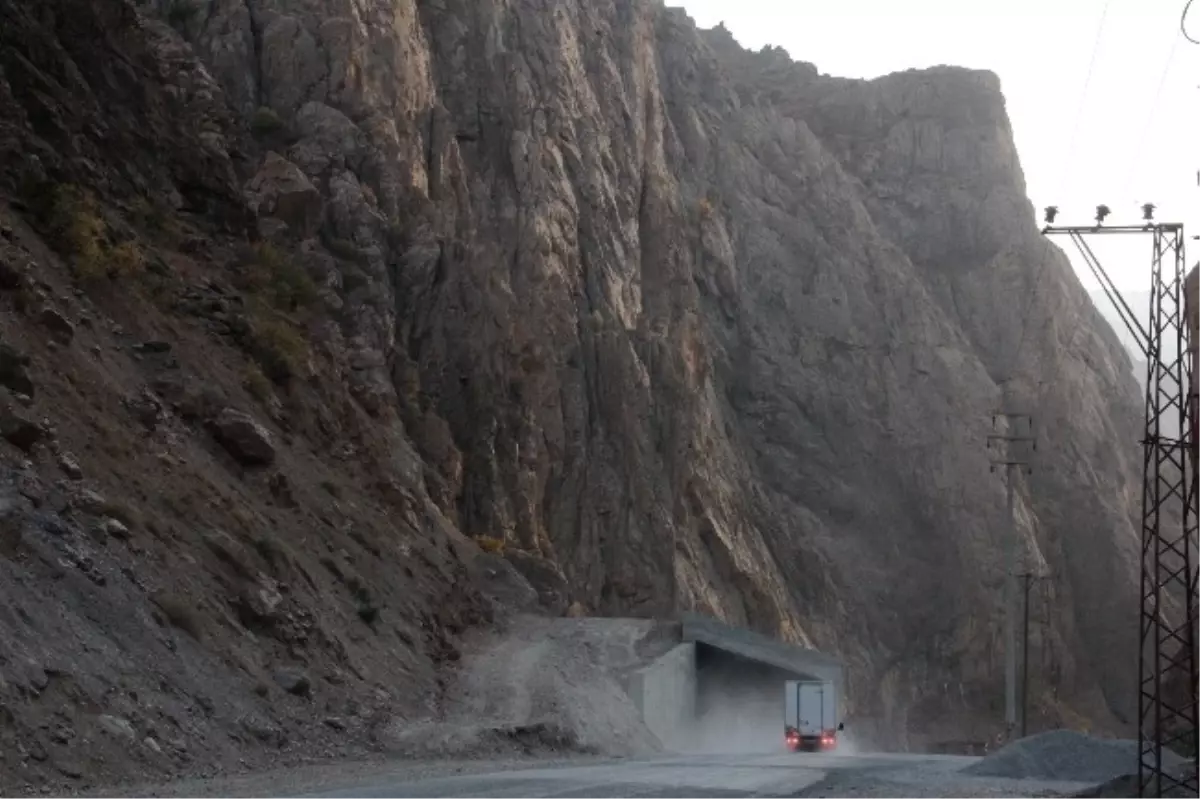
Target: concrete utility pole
{"points": [[1029, 578], [1011, 454]]}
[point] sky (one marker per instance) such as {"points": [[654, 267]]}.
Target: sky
{"points": [[1104, 97]]}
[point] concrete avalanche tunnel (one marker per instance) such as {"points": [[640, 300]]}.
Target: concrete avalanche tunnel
{"points": [[720, 688]]}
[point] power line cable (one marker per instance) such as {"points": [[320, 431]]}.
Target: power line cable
{"points": [[1087, 84], [1065, 351], [1162, 81], [1046, 245]]}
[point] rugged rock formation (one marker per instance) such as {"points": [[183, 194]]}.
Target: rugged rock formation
{"points": [[673, 324], [152, 589]]}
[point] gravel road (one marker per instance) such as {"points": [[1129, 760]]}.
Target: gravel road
{"points": [[770, 775], [754, 775], [804, 776]]}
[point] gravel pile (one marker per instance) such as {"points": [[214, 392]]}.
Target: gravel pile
{"points": [[1063, 755], [1127, 786]]}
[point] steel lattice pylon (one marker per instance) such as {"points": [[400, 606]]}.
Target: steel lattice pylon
{"points": [[1167, 711], [1167, 673]]}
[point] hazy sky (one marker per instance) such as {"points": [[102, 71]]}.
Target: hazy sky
{"points": [[1138, 120]]}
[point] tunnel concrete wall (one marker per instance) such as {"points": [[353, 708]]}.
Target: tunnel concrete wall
{"points": [[722, 686], [802, 662], [665, 694]]}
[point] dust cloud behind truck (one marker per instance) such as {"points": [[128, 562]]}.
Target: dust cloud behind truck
{"points": [[810, 715]]}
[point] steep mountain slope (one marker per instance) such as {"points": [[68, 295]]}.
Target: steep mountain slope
{"points": [[182, 588], [671, 324]]}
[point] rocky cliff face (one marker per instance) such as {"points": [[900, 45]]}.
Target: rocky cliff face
{"points": [[671, 324]]}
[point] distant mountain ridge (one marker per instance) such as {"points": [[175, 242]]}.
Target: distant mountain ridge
{"points": [[1139, 303]]}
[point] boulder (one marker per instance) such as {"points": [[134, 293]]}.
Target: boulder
{"points": [[70, 467], [259, 606], [281, 190], [116, 727], [114, 528], [19, 429], [14, 370], [60, 326], [13, 267], [327, 139], [244, 438], [294, 681]]}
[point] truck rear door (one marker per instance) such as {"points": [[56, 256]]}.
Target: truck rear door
{"points": [[811, 709]]}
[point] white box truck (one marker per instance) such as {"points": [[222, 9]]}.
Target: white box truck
{"points": [[810, 715]]}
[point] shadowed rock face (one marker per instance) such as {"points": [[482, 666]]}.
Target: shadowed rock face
{"points": [[706, 329], [691, 327]]}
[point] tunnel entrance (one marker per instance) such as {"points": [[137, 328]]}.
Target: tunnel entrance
{"points": [[721, 689], [739, 703]]}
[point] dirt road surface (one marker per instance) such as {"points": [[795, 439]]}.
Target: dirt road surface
{"points": [[716, 776]]}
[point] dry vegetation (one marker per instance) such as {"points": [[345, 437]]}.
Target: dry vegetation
{"points": [[275, 277], [256, 383], [490, 544], [265, 121], [278, 290], [78, 229]]}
